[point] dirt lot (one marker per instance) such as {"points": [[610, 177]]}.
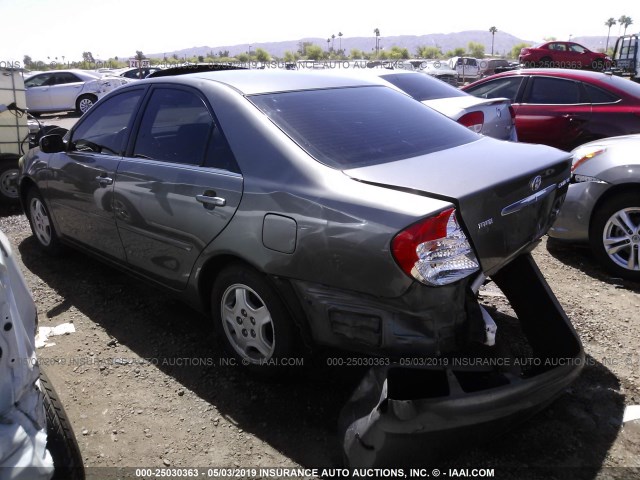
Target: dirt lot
{"points": [[135, 401]]}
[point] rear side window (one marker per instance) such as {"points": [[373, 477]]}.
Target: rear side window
{"points": [[598, 95], [361, 126], [175, 127], [554, 91], [422, 87]]}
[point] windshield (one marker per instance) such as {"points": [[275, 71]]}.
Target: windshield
{"points": [[361, 126], [423, 87]]}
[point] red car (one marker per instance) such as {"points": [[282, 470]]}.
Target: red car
{"points": [[565, 108], [563, 55]]}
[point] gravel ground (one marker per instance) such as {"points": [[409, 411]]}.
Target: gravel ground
{"points": [[136, 399]]}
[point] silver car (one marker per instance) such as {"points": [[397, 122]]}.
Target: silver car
{"points": [[492, 117], [68, 90], [603, 204], [304, 210]]}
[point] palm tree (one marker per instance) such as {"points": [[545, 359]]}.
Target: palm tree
{"points": [[340, 40], [333, 38], [493, 31], [328, 42], [377, 32], [625, 21], [609, 23]]}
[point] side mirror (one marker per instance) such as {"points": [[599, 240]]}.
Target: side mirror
{"points": [[52, 144]]}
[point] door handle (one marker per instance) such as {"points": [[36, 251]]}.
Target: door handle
{"points": [[104, 181], [209, 201]]}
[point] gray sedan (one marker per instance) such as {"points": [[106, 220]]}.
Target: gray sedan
{"points": [[300, 210], [603, 203]]}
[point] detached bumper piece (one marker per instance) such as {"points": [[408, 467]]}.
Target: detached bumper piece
{"points": [[408, 416]]}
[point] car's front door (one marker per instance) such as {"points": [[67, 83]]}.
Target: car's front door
{"points": [[177, 189], [37, 92], [80, 190], [553, 111]]}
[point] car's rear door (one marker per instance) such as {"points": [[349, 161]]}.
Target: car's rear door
{"points": [[178, 187], [65, 88], [80, 190], [553, 111]]}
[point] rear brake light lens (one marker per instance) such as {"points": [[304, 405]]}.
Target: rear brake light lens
{"points": [[435, 251], [512, 112], [473, 121]]}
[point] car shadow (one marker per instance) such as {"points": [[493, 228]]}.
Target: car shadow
{"points": [[581, 258], [10, 209], [299, 416]]}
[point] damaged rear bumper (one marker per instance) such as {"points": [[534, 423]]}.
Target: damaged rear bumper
{"points": [[407, 416]]}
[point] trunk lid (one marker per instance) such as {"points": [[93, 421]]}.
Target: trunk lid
{"points": [[507, 194], [455, 105]]}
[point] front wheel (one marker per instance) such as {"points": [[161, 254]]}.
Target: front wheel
{"points": [[41, 224], [85, 102], [615, 235], [252, 321]]}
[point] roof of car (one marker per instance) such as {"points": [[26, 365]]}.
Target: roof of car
{"points": [[253, 82], [555, 72]]}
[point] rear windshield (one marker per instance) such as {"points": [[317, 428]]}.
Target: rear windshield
{"points": [[361, 126], [423, 87], [630, 88]]}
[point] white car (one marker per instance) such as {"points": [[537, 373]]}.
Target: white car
{"points": [[36, 438], [68, 90], [494, 118]]}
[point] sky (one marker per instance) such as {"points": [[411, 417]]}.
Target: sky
{"points": [[65, 28]]}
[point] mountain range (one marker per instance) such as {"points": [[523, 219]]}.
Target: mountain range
{"points": [[503, 43]]}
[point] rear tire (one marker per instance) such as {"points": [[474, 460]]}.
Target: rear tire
{"points": [[546, 62], [61, 442], [252, 321], [614, 235], [84, 103]]}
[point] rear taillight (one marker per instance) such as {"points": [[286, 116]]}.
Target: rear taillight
{"points": [[473, 121], [512, 112], [435, 251]]}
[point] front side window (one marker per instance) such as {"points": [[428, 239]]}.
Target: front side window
{"points": [[360, 126], [176, 127], [37, 80], [104, 129]]}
